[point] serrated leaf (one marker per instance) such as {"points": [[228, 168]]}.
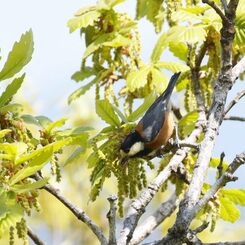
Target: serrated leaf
{"points": [[159, 80], [56, 124], [92, 160], [75, 155], [112, 3], [11, 108], [11, 90], [22, 188], [142, 109], [118, 41], [182, 84], [161, 44], [228, 211], [138, 79], [18, 57], [189, 14], [83, 74], [33, 166], [83, 20], [240, 29], [79, 92], [237, 196], [4, 132], [180, 50], [172, 66], [106, 112], [10, 211], [187, 124], [30, 119]]}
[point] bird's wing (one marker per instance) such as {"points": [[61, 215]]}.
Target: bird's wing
{"points": [[152, 122]]}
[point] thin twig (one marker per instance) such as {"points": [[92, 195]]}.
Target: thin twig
{"points": [[238, 68], [216, 9], [234, 101], [34, 237], [224, 5], [154, 220], [220, 166], [234, 118], [111, 216], [226, 243], [201, 228], [78, 212]]}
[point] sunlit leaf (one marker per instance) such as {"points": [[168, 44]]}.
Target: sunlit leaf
{"points": [[75, 155], [228, 211], [56, 124], [237, 196], [4, 132], [30, 119], [172, 66], [161, 44], [138, 79], [43, 121], [180, 50], [11, 108], [141, 9], [83, 74], [11, 90], [159, 80], [106, 112], [19, 56]]}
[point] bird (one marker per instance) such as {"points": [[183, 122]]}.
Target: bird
{"points": [[154, 129]]}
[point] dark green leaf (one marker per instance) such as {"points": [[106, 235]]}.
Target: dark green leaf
{"points": [[83, 74]]}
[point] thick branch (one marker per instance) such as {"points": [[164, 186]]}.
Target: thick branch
{"points": [[79, 213], [234, 118], [234, 101], [111, 216], [34, 237], [154, 220], [217, 10]]}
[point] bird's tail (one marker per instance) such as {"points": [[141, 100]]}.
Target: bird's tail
{"points": [[171, 85]]}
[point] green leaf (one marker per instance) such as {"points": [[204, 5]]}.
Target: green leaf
{"points": [[79, 92], [142, 109], [81, 130], [43, 121], [11, 108], [106, 112], [187, 124], [56, 124], [240, 29], [118, 41], [22, 188], [159, 80], [11, 90], [141, 8], [236, 196], [228, 211], [112, 3], [214, 163], [19, 56], [75, 155], [10, 211], [161, 44], [120, 114], [138, 79], [84, 19], [35, 164], [30, 119], [83, 74], [4, 132], [51, 147], [172, 66], [180, 50]]}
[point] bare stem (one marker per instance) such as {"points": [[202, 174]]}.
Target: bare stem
{"points": [[111, 216], [34, 237], [234, 118], [234, 101]]}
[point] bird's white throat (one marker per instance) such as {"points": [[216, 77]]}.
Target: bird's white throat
{"points": [[135, 148]]}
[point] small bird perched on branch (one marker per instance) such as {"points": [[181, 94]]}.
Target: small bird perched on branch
{"points": [[154, 129]]}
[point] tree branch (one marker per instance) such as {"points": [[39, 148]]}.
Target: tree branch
{"points": [[79, 213], [154, 220], [224, 5], [34, 237], [111, 216], [217, 10], [220, 167], [234, 118], [238, 69], [234, 101]]}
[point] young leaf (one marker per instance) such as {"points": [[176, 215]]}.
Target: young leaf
{"points": [[22, 188], [19, 56], [161, 44], [142, 109], [56, 124], [83, 20], [75, 155], [33, 166], [172, 66], [159, 80], [187, 124], [214, 163], [237, 196], [83, 74], [240, 29], [11, 90], [180, 50], [106, 112], [43, 121], [138, 79], [4, 132], [11, 108], [228, 211], [30, 120], [120, 114], [141, 8]]}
